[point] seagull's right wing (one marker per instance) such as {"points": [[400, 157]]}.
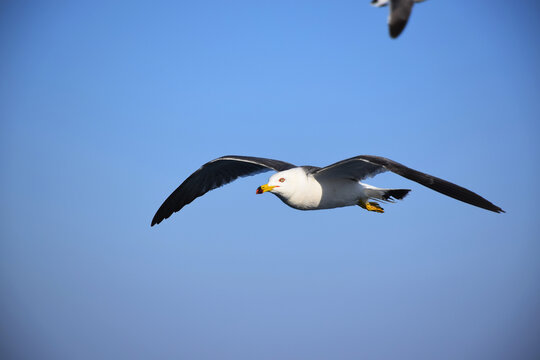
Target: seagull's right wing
{"points": [[212, 175], [400, 10]]}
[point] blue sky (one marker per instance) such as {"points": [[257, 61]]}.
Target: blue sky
{"points": [[107, 106]]}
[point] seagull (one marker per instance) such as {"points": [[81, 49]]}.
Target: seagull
{"points": [[400, 10], [311, 187]]}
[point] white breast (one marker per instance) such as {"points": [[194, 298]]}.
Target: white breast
{"points": [[312, 194], [307, 195]]}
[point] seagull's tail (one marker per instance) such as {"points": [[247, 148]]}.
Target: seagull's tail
{"points": [[375, 193], [390, 194]]}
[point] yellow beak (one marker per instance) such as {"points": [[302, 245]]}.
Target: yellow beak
{"points": [[264, 188]]}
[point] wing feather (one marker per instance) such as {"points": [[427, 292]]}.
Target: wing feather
{"points": [[400, 10], [360, 167], [212, 175]]}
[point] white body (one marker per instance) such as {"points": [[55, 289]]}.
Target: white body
{"points": [[302, 191]]}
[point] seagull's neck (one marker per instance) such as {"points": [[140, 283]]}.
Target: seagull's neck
{"points": [[307, 193]]}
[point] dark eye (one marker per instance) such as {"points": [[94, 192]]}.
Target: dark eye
{"points": [[282, 180]]}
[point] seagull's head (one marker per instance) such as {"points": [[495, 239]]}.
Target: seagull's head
{"points": [[283, 183]]}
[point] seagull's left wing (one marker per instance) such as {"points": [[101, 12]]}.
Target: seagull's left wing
{"points": [[363, 166], [212, 175]]}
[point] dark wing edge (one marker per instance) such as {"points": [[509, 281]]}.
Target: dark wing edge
{"points": [[212, 175], [444, 187], [400, 11]]}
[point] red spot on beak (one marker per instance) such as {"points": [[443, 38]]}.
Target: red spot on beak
{"points": [[259, 190]]}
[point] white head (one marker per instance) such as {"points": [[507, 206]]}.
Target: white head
{"points": [[285, 183]]}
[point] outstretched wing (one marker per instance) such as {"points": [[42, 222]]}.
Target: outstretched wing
{"points": [[212, 175], [360, 167], [400, 10]]}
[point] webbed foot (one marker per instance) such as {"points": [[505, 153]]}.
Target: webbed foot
{"points": [[371, 206]]}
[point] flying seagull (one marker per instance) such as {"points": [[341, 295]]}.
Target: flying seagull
{"points": [[400, 10], [311, 187]]}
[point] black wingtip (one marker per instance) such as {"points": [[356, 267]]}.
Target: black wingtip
{"points": [[156, 220], [396, 30], [485, 204]]}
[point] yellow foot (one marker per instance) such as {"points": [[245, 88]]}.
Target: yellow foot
{"points": [[371, 206]]}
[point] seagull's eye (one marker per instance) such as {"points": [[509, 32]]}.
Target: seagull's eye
{"points": [[282, 180]]}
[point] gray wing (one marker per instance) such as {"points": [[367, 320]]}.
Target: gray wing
{"points": [[212, 175], [400, 10], [360, 167]]}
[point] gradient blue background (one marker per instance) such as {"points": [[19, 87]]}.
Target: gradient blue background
{"points": [[107, 106]]}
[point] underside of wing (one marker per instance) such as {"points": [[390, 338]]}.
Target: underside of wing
{"points": [[212, 175], [400, 11]]}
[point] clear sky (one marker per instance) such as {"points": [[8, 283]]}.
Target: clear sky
{"points": [[106, 107]]}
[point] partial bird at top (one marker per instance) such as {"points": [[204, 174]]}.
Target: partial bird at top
{"points": [[400, 11], [311, 187]]}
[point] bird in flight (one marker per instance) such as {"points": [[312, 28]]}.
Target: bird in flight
{"points": [[400, 11], [311, 187]]}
